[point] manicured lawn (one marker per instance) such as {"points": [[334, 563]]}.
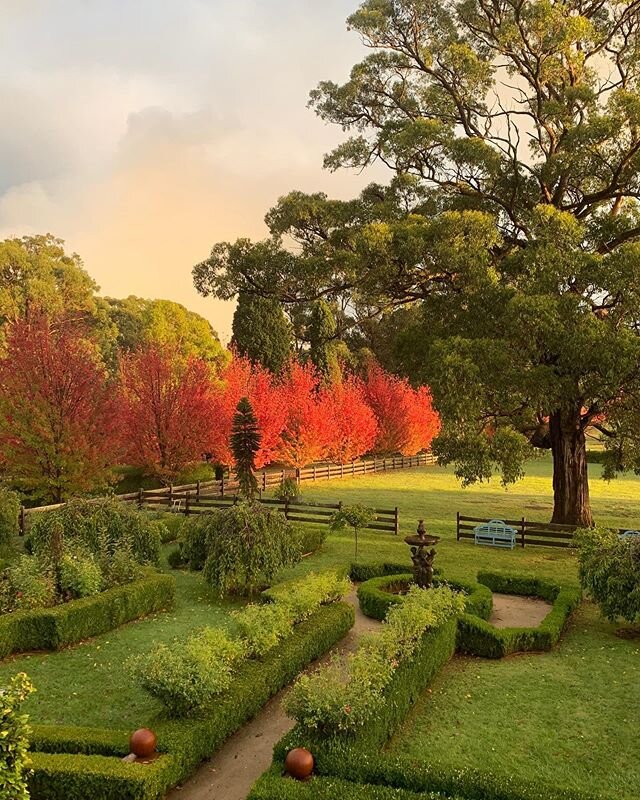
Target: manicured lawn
{"points": [[89, 685], [569, 716]]}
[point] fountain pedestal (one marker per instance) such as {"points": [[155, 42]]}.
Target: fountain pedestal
{"points": [[421, 557]]}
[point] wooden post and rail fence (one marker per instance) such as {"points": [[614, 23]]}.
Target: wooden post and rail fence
{"points": [[194, 497], [528, 532]]}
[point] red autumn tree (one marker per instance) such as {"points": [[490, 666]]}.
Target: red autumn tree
{"points": [[406, 418], [57, 411], [168, 409], [307, 434], [240, 379], [354, 427]]}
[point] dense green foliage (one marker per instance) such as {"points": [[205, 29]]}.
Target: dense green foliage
{"points": [[343, 698], [261, 332], [14, 739], [62, 625], [610, 572], [109, 529], [9, 514], [245, 442], [246, 545], [476, 230], [322, 336]]}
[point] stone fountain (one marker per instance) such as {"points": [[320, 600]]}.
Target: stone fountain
{"points": [[421, 557]]}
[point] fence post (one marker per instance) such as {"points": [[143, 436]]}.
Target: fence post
{"points": [[524, 527], [328, 471], [457, 526], [222, 486], [22, 520], [375, 467], [384, 464], [314, 472], [396, 521], [286, 508], [342, 470], [140, 498], [198, 491], [264, 480], [170, 493], [186, 504], [282, 477], [353, 467]]}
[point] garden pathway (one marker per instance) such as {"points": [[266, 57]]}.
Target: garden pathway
{"points": [[236, 766], [513, 611]]}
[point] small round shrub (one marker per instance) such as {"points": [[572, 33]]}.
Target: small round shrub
{"points": [[288, 490], [246, 546], [79, 575], [188, 675], [610, 571], [175, 559], [263, 626], [9, 515]]}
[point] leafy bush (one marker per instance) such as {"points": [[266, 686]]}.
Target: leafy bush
{"points": [[14, 733], [102, 527], [175, 558], [288, 490], [302, 597], [79, 575], [343, 698], [195, 535], [610, 571], [187, 675], [30, 584], [9, 515], [246, 546], [263, 626]]}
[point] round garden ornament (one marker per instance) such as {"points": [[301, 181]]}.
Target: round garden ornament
{"points": [[143, 743], [299, 763]]}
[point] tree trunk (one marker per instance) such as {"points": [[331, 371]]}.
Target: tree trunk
{"points": [[570, 476]]}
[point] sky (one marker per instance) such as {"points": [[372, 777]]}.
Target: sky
{"points": [[143, 132]]}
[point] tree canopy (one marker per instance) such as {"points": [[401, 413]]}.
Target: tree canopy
{"points": [[508, 236], [261, 331]]}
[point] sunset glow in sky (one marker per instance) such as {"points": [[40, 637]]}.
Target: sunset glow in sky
{"points": [[143, 132]]}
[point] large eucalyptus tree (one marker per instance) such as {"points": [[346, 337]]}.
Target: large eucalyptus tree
{"points": [[508, 239]]}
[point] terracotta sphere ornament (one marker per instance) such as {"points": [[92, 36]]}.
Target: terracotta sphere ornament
{"points": [[299, 763], [143, 743]]}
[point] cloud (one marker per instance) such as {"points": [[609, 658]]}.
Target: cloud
{"points": [[144, 132]]}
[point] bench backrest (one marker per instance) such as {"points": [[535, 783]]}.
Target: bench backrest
{"points": [[496, 526]]}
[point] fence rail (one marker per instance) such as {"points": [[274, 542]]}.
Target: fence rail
{"points": [[529, 532], [219, 490], [296, 511]]}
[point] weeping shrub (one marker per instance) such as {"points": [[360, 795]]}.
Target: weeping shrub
{"points": [[246, 545]]}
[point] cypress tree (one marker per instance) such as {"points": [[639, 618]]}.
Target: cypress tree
{"points": [[261, 331], [245, 441], [321, 333]]}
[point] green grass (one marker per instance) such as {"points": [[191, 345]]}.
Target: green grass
{"points": [[89, 684], [569, 716]]}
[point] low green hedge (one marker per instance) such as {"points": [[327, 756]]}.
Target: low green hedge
{"points": [[59, 626], [273, 786], [479, 638], [80, 777], [79, 741], [64, 775], [375, 601], [364, 572]]}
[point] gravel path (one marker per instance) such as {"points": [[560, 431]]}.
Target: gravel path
{"points": [[235, 767]]}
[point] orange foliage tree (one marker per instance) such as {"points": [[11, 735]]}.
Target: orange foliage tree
{"points": [[57, 410], [168, 410], [354, 427]]}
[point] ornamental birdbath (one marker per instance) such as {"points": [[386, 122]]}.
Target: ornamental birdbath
{"points": [[421, 557]]}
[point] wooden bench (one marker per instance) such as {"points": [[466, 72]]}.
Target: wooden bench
{"points": [[495, 533], [628, 534]]}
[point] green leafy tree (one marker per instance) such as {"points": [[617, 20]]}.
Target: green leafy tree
{"points": [[261, 331], [141, 323], [14, 739], [511, 227], [321, 334], [245, 443], [357, 517]]}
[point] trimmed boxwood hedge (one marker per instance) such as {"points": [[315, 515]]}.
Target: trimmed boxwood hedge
{"points": [[69, 774], [68, 623], [375, 601], [273, 786]]}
